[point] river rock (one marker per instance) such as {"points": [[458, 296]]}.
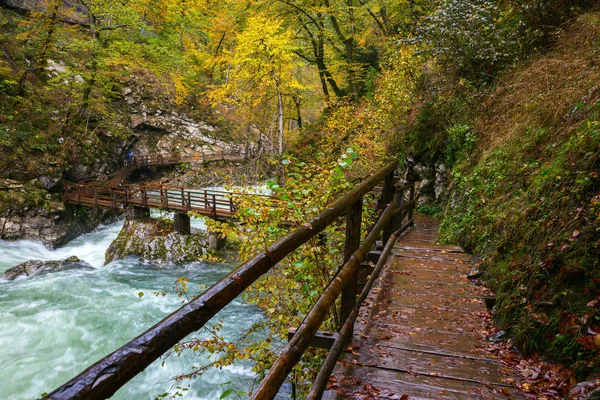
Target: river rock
{"points": [[155, 240], [35, 267], [54, 226]]}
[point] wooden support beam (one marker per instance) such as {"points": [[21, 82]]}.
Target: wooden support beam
{"points": [[353, 231], [373, 256], [320, 340], [181, 223], [389, 190], [411, 198]]}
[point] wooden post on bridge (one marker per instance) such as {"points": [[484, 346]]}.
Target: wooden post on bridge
{"points": [[353, 230], [386, 197], [411, 198], [214, 206], [181, 223], [135, 212], [165, 198]]}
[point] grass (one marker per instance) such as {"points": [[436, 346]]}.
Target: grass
{"points": [[528, 198]]}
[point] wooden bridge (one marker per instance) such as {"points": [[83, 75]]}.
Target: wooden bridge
{"points": [[211, 203], [158, 159], [353, 281], [115, 194], [165, 159]]}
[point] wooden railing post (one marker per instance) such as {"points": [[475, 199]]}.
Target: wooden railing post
{"points": [[214, 205], [397, 219], [411, 198], [144, 197], [166, 199], [189, 196], [183, 198], [386, 197], [353, 231]]}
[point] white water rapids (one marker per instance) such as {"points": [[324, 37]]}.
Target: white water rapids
{"points": [[53, 326]]}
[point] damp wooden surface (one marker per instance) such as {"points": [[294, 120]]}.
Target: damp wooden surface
{"points": [[422, 334]]}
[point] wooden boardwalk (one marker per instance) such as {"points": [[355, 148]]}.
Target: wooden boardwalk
{"points": [[211, 203], [115, 194], [423, 333]]}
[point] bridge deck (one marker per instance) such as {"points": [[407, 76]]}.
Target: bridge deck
{"points": [[115, 194], [423, 334]]}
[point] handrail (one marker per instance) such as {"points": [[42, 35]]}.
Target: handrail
{"points": [[291, 354], [302, 338], [339, 344], [105, 377], [203, 201]]}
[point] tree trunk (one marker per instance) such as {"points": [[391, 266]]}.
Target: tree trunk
{"points": [[41, 61], [298, 104], [280, 113]]}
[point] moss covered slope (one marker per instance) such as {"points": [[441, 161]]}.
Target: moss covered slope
{"points": [[528, 199]]}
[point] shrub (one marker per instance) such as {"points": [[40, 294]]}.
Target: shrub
{"points": [[475, 37]]}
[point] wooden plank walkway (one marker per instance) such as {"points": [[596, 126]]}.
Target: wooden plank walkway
{"points": [[423, 333], [115, 194]]}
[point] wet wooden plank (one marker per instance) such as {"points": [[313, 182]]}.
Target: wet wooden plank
{"points": [[378, 383], [423, 333]]}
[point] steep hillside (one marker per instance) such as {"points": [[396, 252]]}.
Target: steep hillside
{"points": [[72, 103], [525, 195]]}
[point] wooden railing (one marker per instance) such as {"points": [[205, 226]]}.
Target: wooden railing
{"points": [[157, 159], [211, 203], [105, 377], [163, 159]]}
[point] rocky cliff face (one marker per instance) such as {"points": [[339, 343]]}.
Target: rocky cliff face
{"points": [[74, 11], [53, 228], [157, 127], [433, 179]]}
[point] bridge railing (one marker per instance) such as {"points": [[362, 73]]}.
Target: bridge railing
{"points": [[105, 377], [208, 202], [147, 160]]}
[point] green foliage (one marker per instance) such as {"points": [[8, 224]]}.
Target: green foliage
{"points": [[460, 143], [432, 209], [289, 290], [480, 38], [477, 37], [537, 220]]}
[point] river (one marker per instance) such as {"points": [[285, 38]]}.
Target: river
{"points": [[53, 326]]}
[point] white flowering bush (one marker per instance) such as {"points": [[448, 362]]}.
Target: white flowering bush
{"points": [[475, 37]]}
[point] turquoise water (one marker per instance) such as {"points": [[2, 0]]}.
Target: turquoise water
{"points": [[53, 326]]}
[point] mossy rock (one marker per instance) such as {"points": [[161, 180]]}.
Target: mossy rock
{"points": [[36, 267], [155, 240]]}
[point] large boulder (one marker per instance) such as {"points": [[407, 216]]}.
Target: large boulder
{"points": [[55, 226], [155, 240], [35, 267]]}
